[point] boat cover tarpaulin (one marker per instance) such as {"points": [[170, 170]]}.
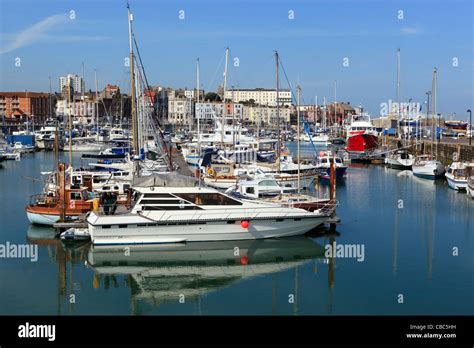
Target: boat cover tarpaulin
{"points": [[165, 180]]}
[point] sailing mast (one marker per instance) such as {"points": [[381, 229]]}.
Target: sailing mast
{"points": [[198, 123], [70, 124], [398, 93], [335, 115], [278, 110], [132, 87], [96, 106], [223, 95], [298, 88], [433, 108]]}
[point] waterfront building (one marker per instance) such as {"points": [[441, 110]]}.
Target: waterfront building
{"points": [[180, 110], [21, 107], [261, 96], [82, 110], [266, 115]]}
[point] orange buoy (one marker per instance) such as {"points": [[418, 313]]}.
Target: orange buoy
{"points": [[245, 224]]}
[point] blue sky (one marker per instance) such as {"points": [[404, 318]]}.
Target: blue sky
{"points": [[312, 46]]}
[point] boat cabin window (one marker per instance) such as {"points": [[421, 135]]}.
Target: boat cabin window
{"points": [[268, 183], [99, 179], [208, 199], [338, 160], [222, 170], [76, 196], [250, 190], [324, 160]]}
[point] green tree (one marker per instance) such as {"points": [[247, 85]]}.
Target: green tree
{"points": [[212, 96]]}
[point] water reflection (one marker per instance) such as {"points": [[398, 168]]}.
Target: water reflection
{"points": [[160, 273], [66, 257]]}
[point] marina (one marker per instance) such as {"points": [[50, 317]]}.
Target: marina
{"points": [[409, 248]]}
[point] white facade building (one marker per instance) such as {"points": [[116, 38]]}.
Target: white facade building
{"points": [[208, 111], [83, 111], [189, 94], [265, 115], [260, 96], [75, 81], [180, 111]]}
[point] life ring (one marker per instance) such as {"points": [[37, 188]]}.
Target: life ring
{"points": [[211, 172]]}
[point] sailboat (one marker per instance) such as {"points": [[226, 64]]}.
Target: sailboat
{"points": [[400, 158], [426, 166]]}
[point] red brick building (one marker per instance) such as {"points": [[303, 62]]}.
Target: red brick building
{"points": [[17, 107]]}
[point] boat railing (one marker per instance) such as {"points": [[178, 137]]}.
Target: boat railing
{"points": [[44, 199], [250, 213], [330, 207]]}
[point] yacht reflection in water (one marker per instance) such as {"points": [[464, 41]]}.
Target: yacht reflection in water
{"points": [[164, 272]]}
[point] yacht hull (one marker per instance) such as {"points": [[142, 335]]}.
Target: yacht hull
{"points": [[225, 230], [430, 170], [42, 219], [457, 184], [470, 190], [398, 163]]}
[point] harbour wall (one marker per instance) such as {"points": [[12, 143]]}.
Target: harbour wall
{"points": [[446, 152]]}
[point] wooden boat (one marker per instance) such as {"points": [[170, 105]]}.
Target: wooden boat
{"points": [[66, 202]]}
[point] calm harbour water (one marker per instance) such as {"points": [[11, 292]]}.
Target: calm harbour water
{"points": [[407, 251]]}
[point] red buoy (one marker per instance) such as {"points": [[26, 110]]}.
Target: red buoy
{"points": [[244, 260], [245, 224]]}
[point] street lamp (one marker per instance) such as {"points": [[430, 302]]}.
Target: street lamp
{"points": [[470, 126]]}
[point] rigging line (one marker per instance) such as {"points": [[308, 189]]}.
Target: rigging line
{"points": [[215, 73], [155, 118], [287, 80], [264, 64]]}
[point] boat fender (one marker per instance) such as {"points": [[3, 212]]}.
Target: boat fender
{"points": [[245, 224], [244, 260]]}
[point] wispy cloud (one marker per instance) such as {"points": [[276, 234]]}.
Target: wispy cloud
{"points": [[411, 30], [38, 32]]}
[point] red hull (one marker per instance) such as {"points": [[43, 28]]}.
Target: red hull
{"points": [[361, 143]]}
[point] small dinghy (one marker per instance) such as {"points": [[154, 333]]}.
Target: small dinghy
{"points": [[75, 234]]}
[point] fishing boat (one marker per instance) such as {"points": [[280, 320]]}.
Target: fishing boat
{"points": [[470, 186], [426, 166], [400, 159], [458, 174], [66, 202], [169, 208], [361, 135]]}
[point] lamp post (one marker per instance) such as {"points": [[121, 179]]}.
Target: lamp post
{"points": [[470, 126]]}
